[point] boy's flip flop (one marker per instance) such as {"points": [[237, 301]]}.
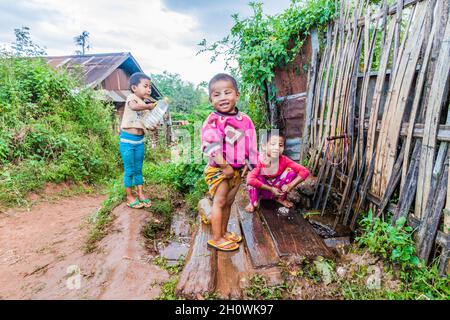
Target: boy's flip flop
{"points": [[221, 247], [135, 205], [233, 237]]}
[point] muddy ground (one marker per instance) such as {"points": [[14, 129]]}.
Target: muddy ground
{"points": [[42, 253]]}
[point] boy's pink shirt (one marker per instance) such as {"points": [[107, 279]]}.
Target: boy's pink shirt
{"points": [[284, 162], [233, 135]]}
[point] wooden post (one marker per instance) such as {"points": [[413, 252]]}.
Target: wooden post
{"points": [[311, 90]]}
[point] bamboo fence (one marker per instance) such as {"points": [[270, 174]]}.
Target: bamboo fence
{"points": [[381, 85]]}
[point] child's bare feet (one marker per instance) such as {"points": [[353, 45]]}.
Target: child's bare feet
{"points": [[250, 208], [285, 203]]}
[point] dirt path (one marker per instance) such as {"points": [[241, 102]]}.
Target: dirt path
{"points": [[41, 254]]}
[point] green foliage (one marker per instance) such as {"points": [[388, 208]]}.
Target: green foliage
{"points": [[393, 243], [184, 97], [168, 289], [51, 130], [259, 289], [24, 46], [260, 43], [102, 218], [173, 269], [162, 207]]}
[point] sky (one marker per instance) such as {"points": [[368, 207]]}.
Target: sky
{"points": [[160, 34]]}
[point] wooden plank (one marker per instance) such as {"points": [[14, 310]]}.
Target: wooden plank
{"points": [[408, 192], [199, 273], [257, 240], [347, 187], [430, 223], [391, 114], [393, 182], [353, 194], [363, 192], [401, 100], [379, 87], [233, 269], [417, 96], [311, 89], [438, 94], [364, 92], [319, 92], [292, 234], [398, 24]]}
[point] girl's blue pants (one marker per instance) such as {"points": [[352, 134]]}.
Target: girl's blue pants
{"points": [[132, 151]]}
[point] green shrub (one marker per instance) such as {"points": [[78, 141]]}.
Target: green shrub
{"points": [[394, 243], [52, 131]]}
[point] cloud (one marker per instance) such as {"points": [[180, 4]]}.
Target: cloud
{"points": [[161, 34]]}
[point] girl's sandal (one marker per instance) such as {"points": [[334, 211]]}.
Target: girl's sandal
{"points": [[221, 247], [135, 205], [233, 237], [147, 203]]}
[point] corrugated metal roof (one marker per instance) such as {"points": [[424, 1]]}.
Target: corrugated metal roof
{"points": [[94, 67], [97, 67]]}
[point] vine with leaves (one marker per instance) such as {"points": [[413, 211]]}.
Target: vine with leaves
{"points": [[260, 43]]}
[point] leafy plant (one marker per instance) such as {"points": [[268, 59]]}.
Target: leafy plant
{"points": [[260, 289], [51, 130], [393, 243], [261, 43]]}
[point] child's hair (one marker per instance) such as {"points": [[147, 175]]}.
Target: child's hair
{"points": [[224, 77], [265, 137], [136, 78]]}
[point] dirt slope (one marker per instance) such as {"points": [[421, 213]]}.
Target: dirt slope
{"points": [[41, 254]]}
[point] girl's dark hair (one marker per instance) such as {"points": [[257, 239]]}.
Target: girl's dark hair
{"points": [[136, 78], [265, 137], [225, 77]]}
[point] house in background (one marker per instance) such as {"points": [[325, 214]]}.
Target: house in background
{"points": [[106, 72]]}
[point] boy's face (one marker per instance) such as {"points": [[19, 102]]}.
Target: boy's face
{"points": [[143, 89], [275, 147], [223, 96]]}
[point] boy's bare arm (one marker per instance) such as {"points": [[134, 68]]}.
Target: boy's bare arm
{"points": [[135, 106]]}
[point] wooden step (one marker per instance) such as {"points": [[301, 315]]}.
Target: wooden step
{"points": [[258, 241], [292, 234], [199, 273], [233, 268]]}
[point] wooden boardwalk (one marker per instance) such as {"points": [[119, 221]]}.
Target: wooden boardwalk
{"points": [[268, 237]]}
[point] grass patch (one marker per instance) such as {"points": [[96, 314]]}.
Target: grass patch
{"points": [[168, 289], [103, 218], [259, 289]]}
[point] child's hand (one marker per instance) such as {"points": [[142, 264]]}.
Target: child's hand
{"points": [[286, 188], [228, 172], [276, 192], [151, 106]]}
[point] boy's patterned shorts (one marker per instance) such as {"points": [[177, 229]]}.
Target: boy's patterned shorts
{"points": [[214, 176]]}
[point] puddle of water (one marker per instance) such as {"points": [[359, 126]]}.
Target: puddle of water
{"points": [[174, 251], [323, 230]]}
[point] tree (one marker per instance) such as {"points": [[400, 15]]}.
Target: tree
{"points": [[24, 46], [184, 95], [82, 41]]}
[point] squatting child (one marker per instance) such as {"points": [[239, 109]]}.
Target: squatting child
{"points": [[275, 175], [229, 141]]}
